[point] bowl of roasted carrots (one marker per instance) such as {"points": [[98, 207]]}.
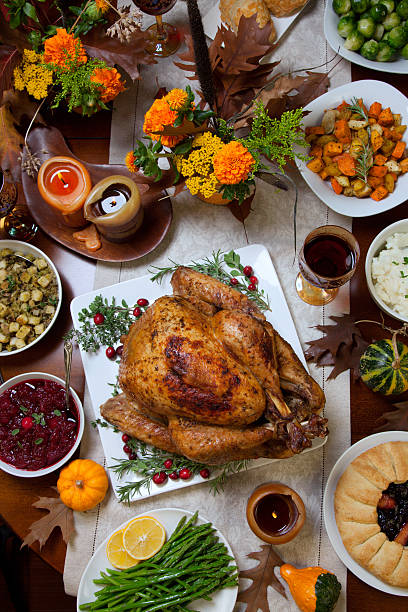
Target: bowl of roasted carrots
{"points": [[357, 148]]}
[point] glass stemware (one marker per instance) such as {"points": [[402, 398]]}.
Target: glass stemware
{"points": [[164, 38], [327, 260]]}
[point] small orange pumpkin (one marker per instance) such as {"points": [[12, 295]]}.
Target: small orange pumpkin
{"points": [[314, 589], [82, 485]]}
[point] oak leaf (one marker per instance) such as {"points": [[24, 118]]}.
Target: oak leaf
{"points": [[395, 420], [11, 142], [262, 576], [9, 58], [59, 516]]}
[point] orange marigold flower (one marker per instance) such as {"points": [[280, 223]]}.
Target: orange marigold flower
{"points": [[130, 162], [232, 163], [63, 46], [109, 79], [176, 98], [159, 115], [102, 5]]}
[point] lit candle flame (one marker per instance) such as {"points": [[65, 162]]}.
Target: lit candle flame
{"points": [[274, 515], [61, 178]]}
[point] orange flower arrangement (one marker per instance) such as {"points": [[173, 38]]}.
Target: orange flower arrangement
{"points": [[158, 116], [233, 163], [102, 5], [109, 79], [61, 47], [176, 98], [130, 161]]}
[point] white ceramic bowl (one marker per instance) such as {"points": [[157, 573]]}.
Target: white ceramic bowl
{"points": [[370, 91], [331, 19], [328, 507], [6, 467], [377, 245], [24, 247]]}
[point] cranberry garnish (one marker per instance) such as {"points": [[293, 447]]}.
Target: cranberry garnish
{"points": [[248, 271], [253, 280], [386, 502], [174, 476], [142, 302], [185, 474], [98, 318], [110, 352], [27, 423], [126, 449], [168, 464], [125, 438], [402, 537], [234, 281], [137, 312], [252, 287], [160, 478], [132, 456], [205, 473], [119, 350]]}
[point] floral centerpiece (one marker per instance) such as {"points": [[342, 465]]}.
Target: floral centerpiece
{"points": [[206, 152]]}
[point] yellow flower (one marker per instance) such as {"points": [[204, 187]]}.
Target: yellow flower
{"points": [[209, 186], [233, 163], [102, 6], [176, 99], [130, 162], [209, 141], [33, 77]]}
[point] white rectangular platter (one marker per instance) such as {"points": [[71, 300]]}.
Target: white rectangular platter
{"points": [[212, 21], [100, 371]]}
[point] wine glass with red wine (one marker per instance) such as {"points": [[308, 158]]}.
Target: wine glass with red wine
{"points": [[327, 260], [164, 38]]}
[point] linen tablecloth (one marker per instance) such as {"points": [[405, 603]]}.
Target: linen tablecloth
{"points": [[196, 231]]}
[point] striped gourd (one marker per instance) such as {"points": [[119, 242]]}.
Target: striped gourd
{"points": [[383, 369]]}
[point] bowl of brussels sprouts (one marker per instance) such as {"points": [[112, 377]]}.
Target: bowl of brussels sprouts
{"points": [[372, 33]]}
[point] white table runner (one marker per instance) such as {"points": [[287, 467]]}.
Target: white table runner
{"points": [[196, 231]]}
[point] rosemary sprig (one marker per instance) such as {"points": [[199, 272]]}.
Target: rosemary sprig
{"points": [[364, 163], [215, 266], [358, 109]]}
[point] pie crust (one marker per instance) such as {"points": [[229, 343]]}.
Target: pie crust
{"points": [[355, 505]]}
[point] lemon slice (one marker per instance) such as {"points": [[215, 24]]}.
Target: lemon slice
{"points": [[143, 537], [116, 553]]}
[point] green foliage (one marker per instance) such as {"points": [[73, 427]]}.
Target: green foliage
{"points": [[275, 138], [224, 131], [146, 157], [20, 12], [239, 192]]}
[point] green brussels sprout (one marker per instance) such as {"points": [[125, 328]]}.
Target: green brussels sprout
{"points": [[359, 6], [354, 41], [365, 15], [385, 52], [397, 37], [346, 26], [370, 49], [374, 2], [378, 12], [341, 6], [391, 21], [404, 52], [389, 4], [379, 32], [366, 27], [385, 38], [402, 9]]}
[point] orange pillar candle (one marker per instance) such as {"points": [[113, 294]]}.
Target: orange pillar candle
{"points": [[64, 183]]}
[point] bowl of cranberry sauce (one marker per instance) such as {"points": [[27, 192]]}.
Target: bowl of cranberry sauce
{"points": [[38, 433]]}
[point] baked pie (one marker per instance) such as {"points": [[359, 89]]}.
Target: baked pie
{"points": [[284, 8], [371, 510]]}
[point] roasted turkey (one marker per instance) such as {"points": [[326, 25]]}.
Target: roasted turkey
{"points": [[204, 375]]}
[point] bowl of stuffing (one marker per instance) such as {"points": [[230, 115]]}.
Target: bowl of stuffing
{"points": [[386, 269], [31, 295]]}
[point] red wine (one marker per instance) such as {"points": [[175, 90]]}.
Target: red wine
{"points": [[155, 7], [329, 256], [274, 513]]}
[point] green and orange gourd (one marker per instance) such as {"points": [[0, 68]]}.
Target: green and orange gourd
{"points": [[314, 589], [384, 366]]}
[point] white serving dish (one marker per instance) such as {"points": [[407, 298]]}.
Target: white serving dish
{"points": [[369, 91], [100, 371], [331, 19], [6, 467], [212, 22], [328, 507], [377, 245], [24, 247], [169, 517]]}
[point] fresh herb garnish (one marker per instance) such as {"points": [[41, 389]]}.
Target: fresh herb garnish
{"points": [[101, 423], [23, 409], [215, 267], [57, 412], [395, 263], [364, 163], [53, 301], [402, 274], [15, 432], [11, 282], [38, 418], [38, 441], [405, 262], [19, 444]]}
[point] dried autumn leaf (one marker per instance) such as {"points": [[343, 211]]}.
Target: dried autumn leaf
{"points": [[395, 420], [187, 128], [125, 55], [9, 59], [11, 142], [59, 516], [262, 576], [313, 86], [241, 211], [348, 358], [22, 107]]}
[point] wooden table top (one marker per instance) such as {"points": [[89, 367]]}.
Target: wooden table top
{"points": [[17, 495]]}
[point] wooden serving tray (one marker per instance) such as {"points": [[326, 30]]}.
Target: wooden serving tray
{"points": [[46, 142]]}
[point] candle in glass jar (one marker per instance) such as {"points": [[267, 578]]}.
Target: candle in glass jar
{"points": [[114, 206], [64, 183]]}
